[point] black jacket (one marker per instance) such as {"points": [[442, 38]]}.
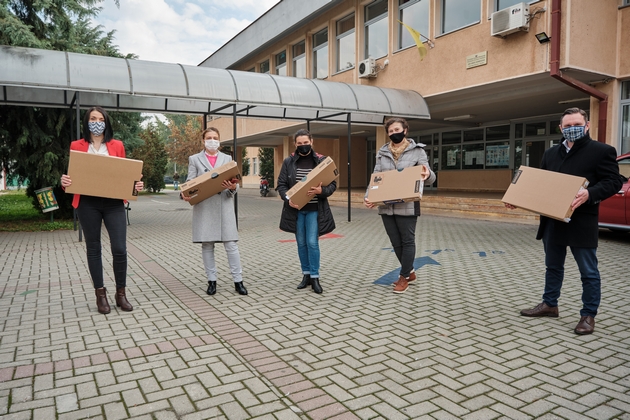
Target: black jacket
{"points": [[286, 180], [597, 162]]}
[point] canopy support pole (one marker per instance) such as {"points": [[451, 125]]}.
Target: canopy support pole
{"points": [[349, 118], [78, 136], [235, 160]]}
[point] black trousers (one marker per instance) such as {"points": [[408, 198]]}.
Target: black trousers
{"points": [[402, 234], [93, 211]]}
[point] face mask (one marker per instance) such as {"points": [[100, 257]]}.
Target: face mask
{"points": [[304, 149], [96, 127], [397, 137], [574, 133], [212, 145]]}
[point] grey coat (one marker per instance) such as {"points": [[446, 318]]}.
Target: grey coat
{"points": [[413, 155], [214, 219]]}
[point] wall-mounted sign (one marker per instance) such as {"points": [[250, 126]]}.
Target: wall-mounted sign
{"points": [[476, 60]]}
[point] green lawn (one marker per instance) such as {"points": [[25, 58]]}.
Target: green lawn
{"points": [[17, 214]]}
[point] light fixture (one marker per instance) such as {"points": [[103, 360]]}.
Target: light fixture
{"points": [[542, 37], [458, 117], [569, 101]]}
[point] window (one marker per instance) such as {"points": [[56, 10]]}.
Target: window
{"points": [[498, 155], [500, 132], [345, 43], [255, 166], [451, 157], [252, 69], [376, 29], [624, 147], [535, 129], [299, 59], [504, 4], [459, 13], [473, 156], [264, 67], [452, 137], [320, 54], [281, 63], [414, 13]]}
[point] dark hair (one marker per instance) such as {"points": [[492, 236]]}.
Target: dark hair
{"points": [[302, 132], [207, 130], [395, 120], [109, 131], [574, 110]]}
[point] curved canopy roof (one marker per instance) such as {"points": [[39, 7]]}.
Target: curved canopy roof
{"points": [[51, 78]]}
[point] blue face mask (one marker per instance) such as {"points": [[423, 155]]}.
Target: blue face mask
{"points": [[96, 127], [574, 133]]}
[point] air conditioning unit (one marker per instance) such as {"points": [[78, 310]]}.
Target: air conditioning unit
{"points": [[510, 20], [367, 68]]}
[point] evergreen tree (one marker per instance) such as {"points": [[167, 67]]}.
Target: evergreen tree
{"points": [[35, 142], [245, 162], [265, 156], [153, 154]]}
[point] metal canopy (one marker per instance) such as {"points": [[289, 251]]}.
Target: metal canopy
{"points": [[37, 77]]}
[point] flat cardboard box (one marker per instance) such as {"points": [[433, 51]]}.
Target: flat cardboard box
{"points": [[397, 186], [326, 172], [208, 184], [104, 176], [544, 192]]}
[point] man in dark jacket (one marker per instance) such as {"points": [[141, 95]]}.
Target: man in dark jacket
{"points": [[577, 155], [315, 218]]}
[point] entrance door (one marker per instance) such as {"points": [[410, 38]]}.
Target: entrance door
{"points": [[534, 152]]}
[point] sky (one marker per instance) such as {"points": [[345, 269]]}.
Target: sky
{"points": [[177, 31]]}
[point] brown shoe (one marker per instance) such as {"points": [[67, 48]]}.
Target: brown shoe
{"points": [[585, 326], [541, 309], [401, 285], [121, 300], [101, 301], [410, 279]]}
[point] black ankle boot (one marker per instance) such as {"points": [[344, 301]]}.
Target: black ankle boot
{"points": [[315, 285], [212, 288], [240, 288], [306, 281]]}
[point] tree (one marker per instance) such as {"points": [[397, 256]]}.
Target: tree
{"points": [[35, 142], [184, 139], [265, 156], [155, 158], [245, 162]]}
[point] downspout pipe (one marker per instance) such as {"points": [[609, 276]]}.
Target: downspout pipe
{"points": [[556, 19]]}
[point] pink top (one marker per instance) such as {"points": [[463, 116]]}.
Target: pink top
{"points": [[212, 159]]}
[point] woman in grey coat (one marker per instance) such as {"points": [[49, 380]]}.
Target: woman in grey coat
{"points": [[400, 219], [214, 219]]}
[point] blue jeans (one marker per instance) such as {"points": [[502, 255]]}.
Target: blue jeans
{"points": [[307, 237], [586, 259]]}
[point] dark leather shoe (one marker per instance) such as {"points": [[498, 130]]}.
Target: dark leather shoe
{"points": [[240, 288], [315, 285], [121, 300], [585, 326], [212, 288], [542, 309], [306, 281], [101, 301]]}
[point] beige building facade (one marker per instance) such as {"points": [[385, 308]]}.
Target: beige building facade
{"points": [[495, 92]]}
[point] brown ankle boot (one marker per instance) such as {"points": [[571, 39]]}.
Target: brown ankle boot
{"points": [[101, 301], [121, 300]]}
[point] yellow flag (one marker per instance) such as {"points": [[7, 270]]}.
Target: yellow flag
{"points": [[416, 37]]}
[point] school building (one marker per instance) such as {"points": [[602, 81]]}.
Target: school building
{"points": [[496, 76]]}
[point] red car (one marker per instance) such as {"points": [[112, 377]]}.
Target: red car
{"points": [[614, 213]]}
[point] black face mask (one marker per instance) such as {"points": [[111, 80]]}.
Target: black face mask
{"points": [[304, 149], [397, 137]]}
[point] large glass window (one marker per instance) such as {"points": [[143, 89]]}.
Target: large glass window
{"points": [[264, 67], [281, 63], [503, 4], [451, 157], [345, 43], [451, 137], [473, 156], [499, 132], [624, 147], [376, 29], [320, 54], [414, 13], [459, 13], [299, 59], [498, 155]]}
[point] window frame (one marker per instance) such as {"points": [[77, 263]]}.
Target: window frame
{"points": [[339, 37], [495, 5], [277, 66], [295, 59], [624, 106], [314, 51], [268, 67], [442, 20], [368, 23], [401, 28]]}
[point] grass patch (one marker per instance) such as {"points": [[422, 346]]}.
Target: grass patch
{"points": [[17, 214]]}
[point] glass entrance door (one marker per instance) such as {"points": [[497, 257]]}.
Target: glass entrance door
{"points": [[533, 153]]}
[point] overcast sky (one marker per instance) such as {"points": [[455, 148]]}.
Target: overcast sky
{"points": [[177, 31]]}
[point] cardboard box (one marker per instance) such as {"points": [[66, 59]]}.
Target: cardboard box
{"points": [[544, 192], [208, 184], [104, 176], [326, 172], [397, 186]]}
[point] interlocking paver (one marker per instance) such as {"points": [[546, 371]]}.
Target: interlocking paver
{"points": [[452, 346]]}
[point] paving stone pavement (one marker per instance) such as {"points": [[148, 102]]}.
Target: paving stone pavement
{"points": [[452, 346]]}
